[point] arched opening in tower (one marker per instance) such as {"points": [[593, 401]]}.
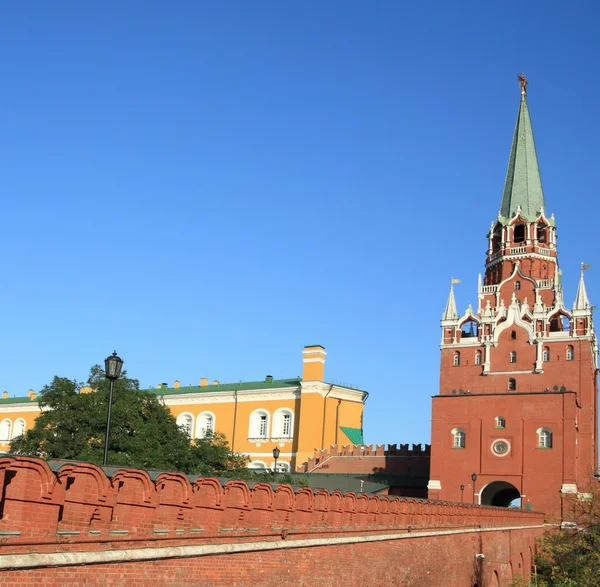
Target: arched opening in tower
{"points": [[501, 494], [519, 233]]}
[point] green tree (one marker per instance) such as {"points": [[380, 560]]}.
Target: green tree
{"points": [[570, 556], [144, 433]]}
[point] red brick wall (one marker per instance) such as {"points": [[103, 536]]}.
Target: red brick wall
{"points": [[367, 460], [62, 524]]}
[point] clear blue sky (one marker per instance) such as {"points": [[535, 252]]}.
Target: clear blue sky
{"points": [[207, 188]]}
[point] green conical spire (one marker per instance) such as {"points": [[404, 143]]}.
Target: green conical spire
{"points": [[523, 185]]}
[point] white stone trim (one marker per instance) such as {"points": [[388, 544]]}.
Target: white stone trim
{"points": [[314, 360], [314, 351], [434, 485], [68, 559], [24, 407], [568, 488]]}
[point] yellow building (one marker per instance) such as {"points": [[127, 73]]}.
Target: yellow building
{"points": [[297, 415]]}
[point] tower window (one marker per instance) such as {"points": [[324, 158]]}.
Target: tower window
{"points": [[546, 354], [513, 335], [544, 438], [541, 233], [459, 438], [570, 353], [519, 233], [513, 356], [517, 285], [500, 422], [456, 359], [478, 358], [512, 384]]}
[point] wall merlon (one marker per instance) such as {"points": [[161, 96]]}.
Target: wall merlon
{"points": [[48, 503]]}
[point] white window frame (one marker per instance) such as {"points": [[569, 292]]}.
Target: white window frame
{"points": [[513, 357], [544, 437], [282, 467], [570, 353], [459, 438], [19, 428], [254, 428], [257, 465], [186, 420], [201, 424], [478, 357], [278, 429], [546, 355], [456, 359], [5, 429], [500, 422]]}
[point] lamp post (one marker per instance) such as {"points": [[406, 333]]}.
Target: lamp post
{"points": [[276, 453], [474, 478], [112, 368], [462, 489]]}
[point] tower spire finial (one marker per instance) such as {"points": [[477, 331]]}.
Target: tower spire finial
{"points": [[523, 84]]}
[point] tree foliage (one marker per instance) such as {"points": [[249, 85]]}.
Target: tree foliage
{"points": [[144, 433], [570, 557]]}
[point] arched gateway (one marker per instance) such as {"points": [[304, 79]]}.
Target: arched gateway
{"points": [[499, 493]]}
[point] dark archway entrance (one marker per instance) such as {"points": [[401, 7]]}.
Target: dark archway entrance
{"points": [[499, 493]]}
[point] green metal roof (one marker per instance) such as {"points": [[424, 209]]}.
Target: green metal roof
{"points": [[523, 185], [355, 435], [245, 385], [241, 385]]}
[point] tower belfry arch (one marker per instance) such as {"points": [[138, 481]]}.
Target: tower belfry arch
{"points": [[521, 387]]}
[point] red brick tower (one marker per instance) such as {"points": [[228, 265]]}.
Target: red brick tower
{"points": [[517, 404]]}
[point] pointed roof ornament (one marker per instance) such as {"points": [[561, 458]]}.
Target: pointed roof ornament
{"points": [[523, 185], [581, 299], [450, 312], [523, 83]]}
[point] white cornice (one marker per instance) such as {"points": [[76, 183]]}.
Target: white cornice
{"points": [[24, 407]]}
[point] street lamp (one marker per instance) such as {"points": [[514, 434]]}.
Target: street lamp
{"points": [[474, 478], [276, 453], [112, 368], [462, 488]]}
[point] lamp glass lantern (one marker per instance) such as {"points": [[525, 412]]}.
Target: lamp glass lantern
{"points": [[112, 366], [276, 453]]}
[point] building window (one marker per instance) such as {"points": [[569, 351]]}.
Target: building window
{"points": [[513, 356], [512, 384], [283, 424], [459, 438], [500, 422], [517, 285], [546, 354], [456, 359], [259, 425], [544, 438], [570, 353], [19, 428], [186, 422], [205, 425], [513, 335], [478, 358], [283, 467], [5, 428], [519, 233]]}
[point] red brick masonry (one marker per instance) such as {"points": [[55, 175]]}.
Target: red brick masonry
{"points": [[69, 523]]}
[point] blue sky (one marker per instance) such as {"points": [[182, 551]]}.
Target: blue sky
{"points": [[207, 188]]}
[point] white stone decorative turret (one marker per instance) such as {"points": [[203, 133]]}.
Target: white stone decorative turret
{"points": [[450, 312], [582, 303]]}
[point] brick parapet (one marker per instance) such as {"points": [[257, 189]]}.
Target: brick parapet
{"points": [[381, 451], [55, 506]]}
